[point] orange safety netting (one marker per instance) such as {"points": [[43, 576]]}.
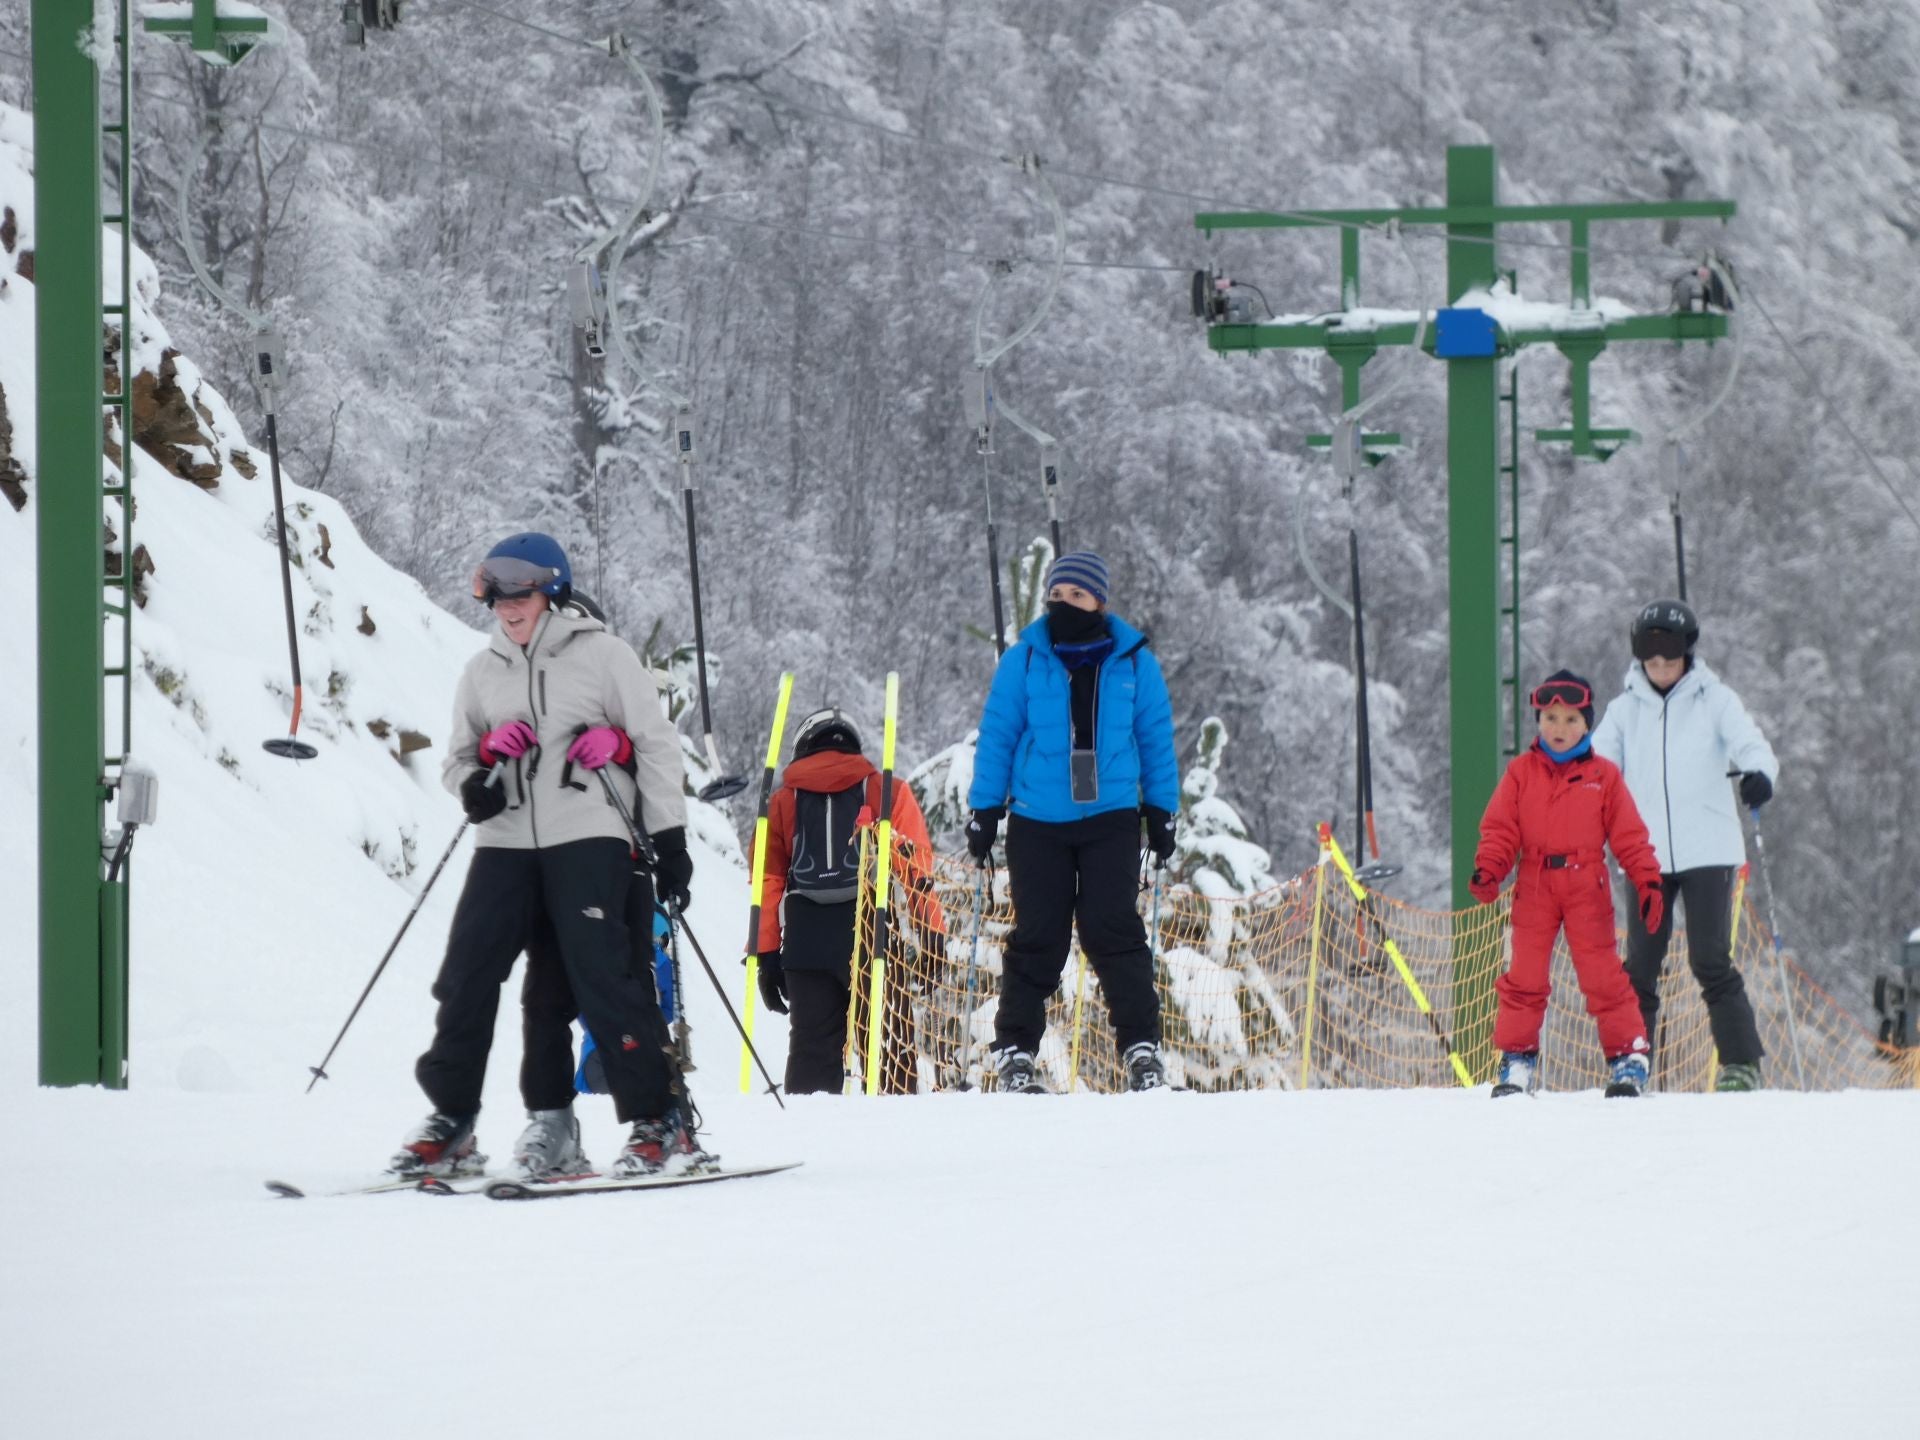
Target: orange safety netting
{"points": [[1298, 987]]}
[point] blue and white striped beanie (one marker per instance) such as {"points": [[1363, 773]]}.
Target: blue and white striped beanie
{"points": [[1082, 568]]}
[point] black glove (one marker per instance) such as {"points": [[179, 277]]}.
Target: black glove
{"points": [[981, 830], [1755, 789], [1159, 835], [773, 982], [480, 800], [673, 869]]}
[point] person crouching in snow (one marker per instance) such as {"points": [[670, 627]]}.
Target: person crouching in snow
{"points": [[812, 865], [1553, 814]]}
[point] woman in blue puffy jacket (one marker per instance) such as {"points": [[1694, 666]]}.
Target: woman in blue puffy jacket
{"points": [[1077, 741]]}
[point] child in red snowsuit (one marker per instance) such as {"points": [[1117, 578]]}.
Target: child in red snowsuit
{"points": [[1554, 813]]}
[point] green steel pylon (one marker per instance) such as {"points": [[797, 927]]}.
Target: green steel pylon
{"points": [[1472, 217]]}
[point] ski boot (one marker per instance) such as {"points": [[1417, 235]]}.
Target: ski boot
{"points": [[441, 1146], [1627, 1076], [1145, 1069], [1737, 1078], [1519, 1074], [1014, 1073], [549, 1148], [661, 1147]]}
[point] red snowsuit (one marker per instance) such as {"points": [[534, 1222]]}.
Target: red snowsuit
{"points": [[1554, 819]]}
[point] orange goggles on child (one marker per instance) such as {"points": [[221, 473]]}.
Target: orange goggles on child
{"points": [[1569, 693]]}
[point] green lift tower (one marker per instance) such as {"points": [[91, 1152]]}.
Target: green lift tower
{"points": [[1473, 342], [85, 625]]}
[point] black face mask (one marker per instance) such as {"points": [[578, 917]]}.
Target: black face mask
{"points": [[1070, 625]]}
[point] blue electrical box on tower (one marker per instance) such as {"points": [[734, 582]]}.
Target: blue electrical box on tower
{"points": [[1465, 335]]}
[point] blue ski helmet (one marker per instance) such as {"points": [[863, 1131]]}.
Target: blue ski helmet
{"points": [[522, 564]]}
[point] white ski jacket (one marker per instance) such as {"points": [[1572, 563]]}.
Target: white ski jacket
{"points": [[1675, 751], [573, 674]]}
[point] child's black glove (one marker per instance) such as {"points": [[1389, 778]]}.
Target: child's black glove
{"points": [[773, 982], [1755, 789]]}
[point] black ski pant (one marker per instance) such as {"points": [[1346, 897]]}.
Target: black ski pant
{"points": [[816, 951], [1707, 892], [580, 889], [1085, 871], [816, 1032], [548, 1007]]}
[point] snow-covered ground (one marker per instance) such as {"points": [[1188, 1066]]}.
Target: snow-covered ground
{"points": [[1327, 1264], [1304, 1264]]}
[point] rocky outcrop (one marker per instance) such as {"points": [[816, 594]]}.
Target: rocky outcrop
{"points": [[170, 425], [13, 477]]}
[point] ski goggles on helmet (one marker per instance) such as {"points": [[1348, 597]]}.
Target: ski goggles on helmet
{"points": [[1661, 644], [503, 577], [1570, 693]]}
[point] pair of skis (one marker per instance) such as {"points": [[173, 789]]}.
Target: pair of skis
{"points": [[501, 1187]]}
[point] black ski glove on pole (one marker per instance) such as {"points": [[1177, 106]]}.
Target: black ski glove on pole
{"points": [[673, 873], [981, 830], [1755, 789], [1159, 834], [481, 801], [773, 982]]}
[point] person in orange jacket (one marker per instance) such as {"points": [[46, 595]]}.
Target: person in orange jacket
{"points": [[827, 793], [1553, 814]]}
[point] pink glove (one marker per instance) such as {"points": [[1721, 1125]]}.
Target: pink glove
{"points": [[600, 746], [1484, 887], [509, 742]]}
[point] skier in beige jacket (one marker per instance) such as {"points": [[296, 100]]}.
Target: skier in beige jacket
{"points": [[552, 700]]}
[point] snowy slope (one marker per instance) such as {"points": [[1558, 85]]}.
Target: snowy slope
{"points": [[1326, 1264], [267, 890], [1318, 1264]]}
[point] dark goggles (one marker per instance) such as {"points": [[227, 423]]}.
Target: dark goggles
{"points": [[1661, 644], [502, 577], [1561, 692]]}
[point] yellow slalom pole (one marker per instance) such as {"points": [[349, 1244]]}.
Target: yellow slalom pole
{"points": [[1393, 953], [759, 883], [862, 902], [1313, 961], [1079, 1009], [883, 872]]}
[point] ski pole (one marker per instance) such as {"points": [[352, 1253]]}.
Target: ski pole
{"points": [[680, 919], [1779, 955], [751, 958], [980, 885], [650, 857], [320, 1070]]}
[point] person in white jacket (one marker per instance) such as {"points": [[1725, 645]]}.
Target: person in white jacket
{"points": [[554, 698], [1684, 742]]}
